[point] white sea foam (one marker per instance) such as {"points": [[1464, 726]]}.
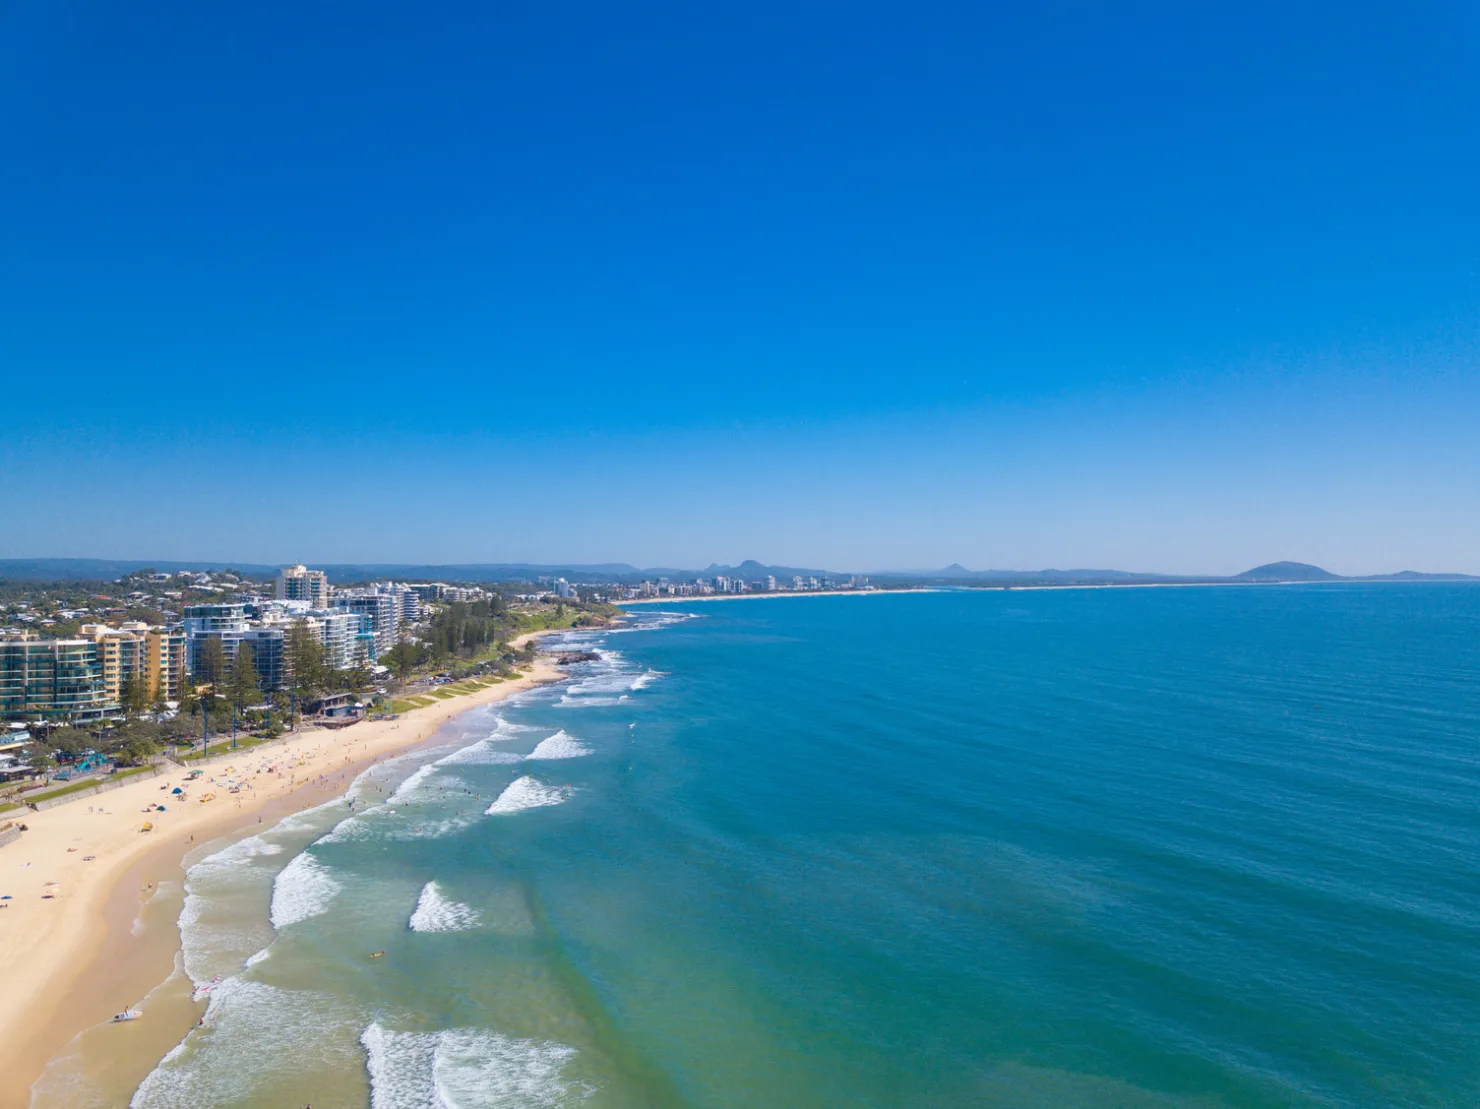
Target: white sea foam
{"points": [[260, 956], [561, 745], [599, 683], [307, 819], [253, 1034], [568, 702], [652, 621], [418, 828], [407, 789], [437, 913], [349, 829], [505, 730], [646, 678], [464, 1069], [482, 753], [229, 858], [303, 889], [213, 937], [526, 793]]}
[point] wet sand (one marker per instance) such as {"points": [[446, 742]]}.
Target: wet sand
{"points": [[70, 962]]}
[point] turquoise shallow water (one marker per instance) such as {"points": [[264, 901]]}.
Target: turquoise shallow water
{"points": [[1154, 847]]}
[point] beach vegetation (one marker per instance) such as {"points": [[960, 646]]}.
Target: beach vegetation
{"points": [[133, 695], [303, 660], [210, 661], [137, 751]]}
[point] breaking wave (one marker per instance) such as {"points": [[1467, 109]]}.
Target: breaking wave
{"points": [[482, 753], [407, 789], [213, 937], [252, 1034], [561, 745], [438, 913], [464, 1069], [303, 889], [527, 793]]}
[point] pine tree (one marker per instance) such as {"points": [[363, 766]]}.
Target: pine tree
{"points": [[210, 660], [244, 679], [133, 695], [303, 658]]}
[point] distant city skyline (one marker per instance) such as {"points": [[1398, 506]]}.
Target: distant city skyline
{"points": [[1179, 290]]}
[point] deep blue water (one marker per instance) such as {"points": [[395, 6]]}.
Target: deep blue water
{"points": [[1136, 848]]}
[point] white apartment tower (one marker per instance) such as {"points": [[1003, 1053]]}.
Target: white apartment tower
{"points": [[298, 583]]}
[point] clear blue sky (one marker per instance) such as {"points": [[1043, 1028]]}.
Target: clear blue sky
{"points": [[1176, 287]]}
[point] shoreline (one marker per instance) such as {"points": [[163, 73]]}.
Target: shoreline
{"points": [[1007, 588], [67, 961], [706, 597]]}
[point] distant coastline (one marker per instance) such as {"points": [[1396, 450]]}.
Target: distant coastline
{"points": [[706, 597], [963, 587]]}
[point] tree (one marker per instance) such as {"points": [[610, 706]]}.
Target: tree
{"points": [[133, 695], [402, 658], [356, 678], [303, 658], [70, 742], [42, 759], [210, 660], [244, 680], [137, 751], [189, 703]]}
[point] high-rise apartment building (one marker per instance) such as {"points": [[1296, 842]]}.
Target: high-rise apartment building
{"points": [[298, 583], [229, 624], [266, 645], [120, 653], [340, 633], [408, 602], [154, 656], [379, 607], [164, 662], [55, 679]]}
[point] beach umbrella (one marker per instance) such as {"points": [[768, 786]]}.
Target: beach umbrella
{"points": [[177, 789]]}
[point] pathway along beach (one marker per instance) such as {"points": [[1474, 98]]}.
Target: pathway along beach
{"points": [[71, 961]]}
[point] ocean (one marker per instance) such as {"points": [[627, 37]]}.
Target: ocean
{"points": [[1172, 847]]}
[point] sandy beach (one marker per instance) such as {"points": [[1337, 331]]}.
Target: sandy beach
{"points": [[71, 960]]}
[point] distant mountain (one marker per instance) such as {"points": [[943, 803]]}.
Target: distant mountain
{"points": [[101, 569], [105, 569], [751, 570], [1287, 571], [342, 573], [956, 574], [1304, 571]]}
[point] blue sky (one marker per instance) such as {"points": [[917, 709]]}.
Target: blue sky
{"points": [[1168, 287]]}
